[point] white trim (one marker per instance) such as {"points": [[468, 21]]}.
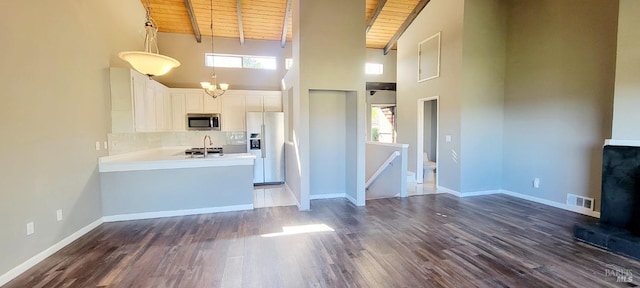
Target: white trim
{"points": [[563, 206], [352, 200], [287, 188], [447, 190], [420, 135], [26, 265], [479, 193], [161, 214], [613, 142], [420, 55], [559, 205], [327, 196]]}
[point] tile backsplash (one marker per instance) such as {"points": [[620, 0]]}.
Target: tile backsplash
{"points": [[129, 142]]}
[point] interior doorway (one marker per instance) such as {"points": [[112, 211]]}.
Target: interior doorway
{"points": [[427, 145]]}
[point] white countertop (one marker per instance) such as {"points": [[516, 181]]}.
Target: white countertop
{"points": [[169, 158]]}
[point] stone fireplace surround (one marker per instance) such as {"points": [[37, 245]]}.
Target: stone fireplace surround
{"points": [[619, 227]]}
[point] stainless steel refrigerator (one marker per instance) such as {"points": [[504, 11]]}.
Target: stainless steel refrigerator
{"points": [[265, 140]]}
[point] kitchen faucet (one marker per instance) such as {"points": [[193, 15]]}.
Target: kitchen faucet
{"points": [[205, 144]]}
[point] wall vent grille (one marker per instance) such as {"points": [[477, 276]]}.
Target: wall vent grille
{"points": [[580, 201]]}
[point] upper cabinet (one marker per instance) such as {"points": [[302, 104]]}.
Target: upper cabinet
{"points": [[233, 111], [139, 104], [272, 101], [196, 101]]}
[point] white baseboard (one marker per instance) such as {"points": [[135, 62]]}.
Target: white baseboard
{"points": [[288, 189], [522, 196], [15, 272], [553, 204], [351, 199], [327, 196], [173, 213], [479, 193], [441, 189]]}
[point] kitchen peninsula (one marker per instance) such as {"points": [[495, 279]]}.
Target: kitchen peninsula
{"points": [[165, 182]]}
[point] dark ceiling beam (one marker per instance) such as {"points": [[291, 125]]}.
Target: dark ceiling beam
{"points": [[194, 23], [240, 29], [285, 25], [405, 25], [375, 13]]}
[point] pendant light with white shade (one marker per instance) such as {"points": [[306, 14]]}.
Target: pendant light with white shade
{"points": [[149, 62]]}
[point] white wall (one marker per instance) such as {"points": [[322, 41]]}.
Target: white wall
{"points": [[389, 65], [445, 16], [328, 55], [55, 105], [483, 56], [627, 83], [192, 70], [558, 95], [327, 135]]}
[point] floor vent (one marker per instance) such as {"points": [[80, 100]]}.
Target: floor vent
{"points": [[580, 201]]}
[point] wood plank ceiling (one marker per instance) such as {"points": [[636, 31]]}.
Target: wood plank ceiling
{"points": [[264, 19]]}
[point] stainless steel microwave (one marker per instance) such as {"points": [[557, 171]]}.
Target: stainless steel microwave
{"points": [[203, 121]]}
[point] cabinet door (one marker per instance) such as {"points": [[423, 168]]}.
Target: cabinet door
{"points": [[139, 99], [150, 107], [253, 103], [163, 108], [178, 112], [168, 116], [273, 103], [211, 105], [193, 102], [233, 113]]}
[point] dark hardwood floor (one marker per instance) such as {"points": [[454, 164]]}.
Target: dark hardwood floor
{"points": [[421, 241]]}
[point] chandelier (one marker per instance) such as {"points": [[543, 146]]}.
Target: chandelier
{"points": [[149, 61], [212, 88]]}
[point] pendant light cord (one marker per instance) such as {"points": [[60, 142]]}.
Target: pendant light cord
{"points": [[213, 66]]}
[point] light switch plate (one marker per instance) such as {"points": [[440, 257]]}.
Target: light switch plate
{"points": [[59, 215], [97, 145], [447, 138], [30, 228], [105, 145]]}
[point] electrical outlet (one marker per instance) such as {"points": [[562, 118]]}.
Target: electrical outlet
{"points": [[30, 228], [536, 182], [447, 138], [59, 215], [97, 145], [106, 146]]}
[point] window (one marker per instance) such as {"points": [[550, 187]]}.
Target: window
{"points": [[239, 61], [383, 118], [373, 69]]}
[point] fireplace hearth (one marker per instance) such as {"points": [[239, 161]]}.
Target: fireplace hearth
{"points": [[619, 227]]}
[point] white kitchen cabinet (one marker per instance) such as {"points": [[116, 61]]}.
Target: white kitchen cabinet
{"points": [[138, 104], [194, 101], [163, 105], [253, 103], [233, 112], [272, 102], [211, 105], [178, 112], [128, 88]]}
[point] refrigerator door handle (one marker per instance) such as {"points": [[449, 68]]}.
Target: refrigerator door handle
{"points": [[264, 142]]}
